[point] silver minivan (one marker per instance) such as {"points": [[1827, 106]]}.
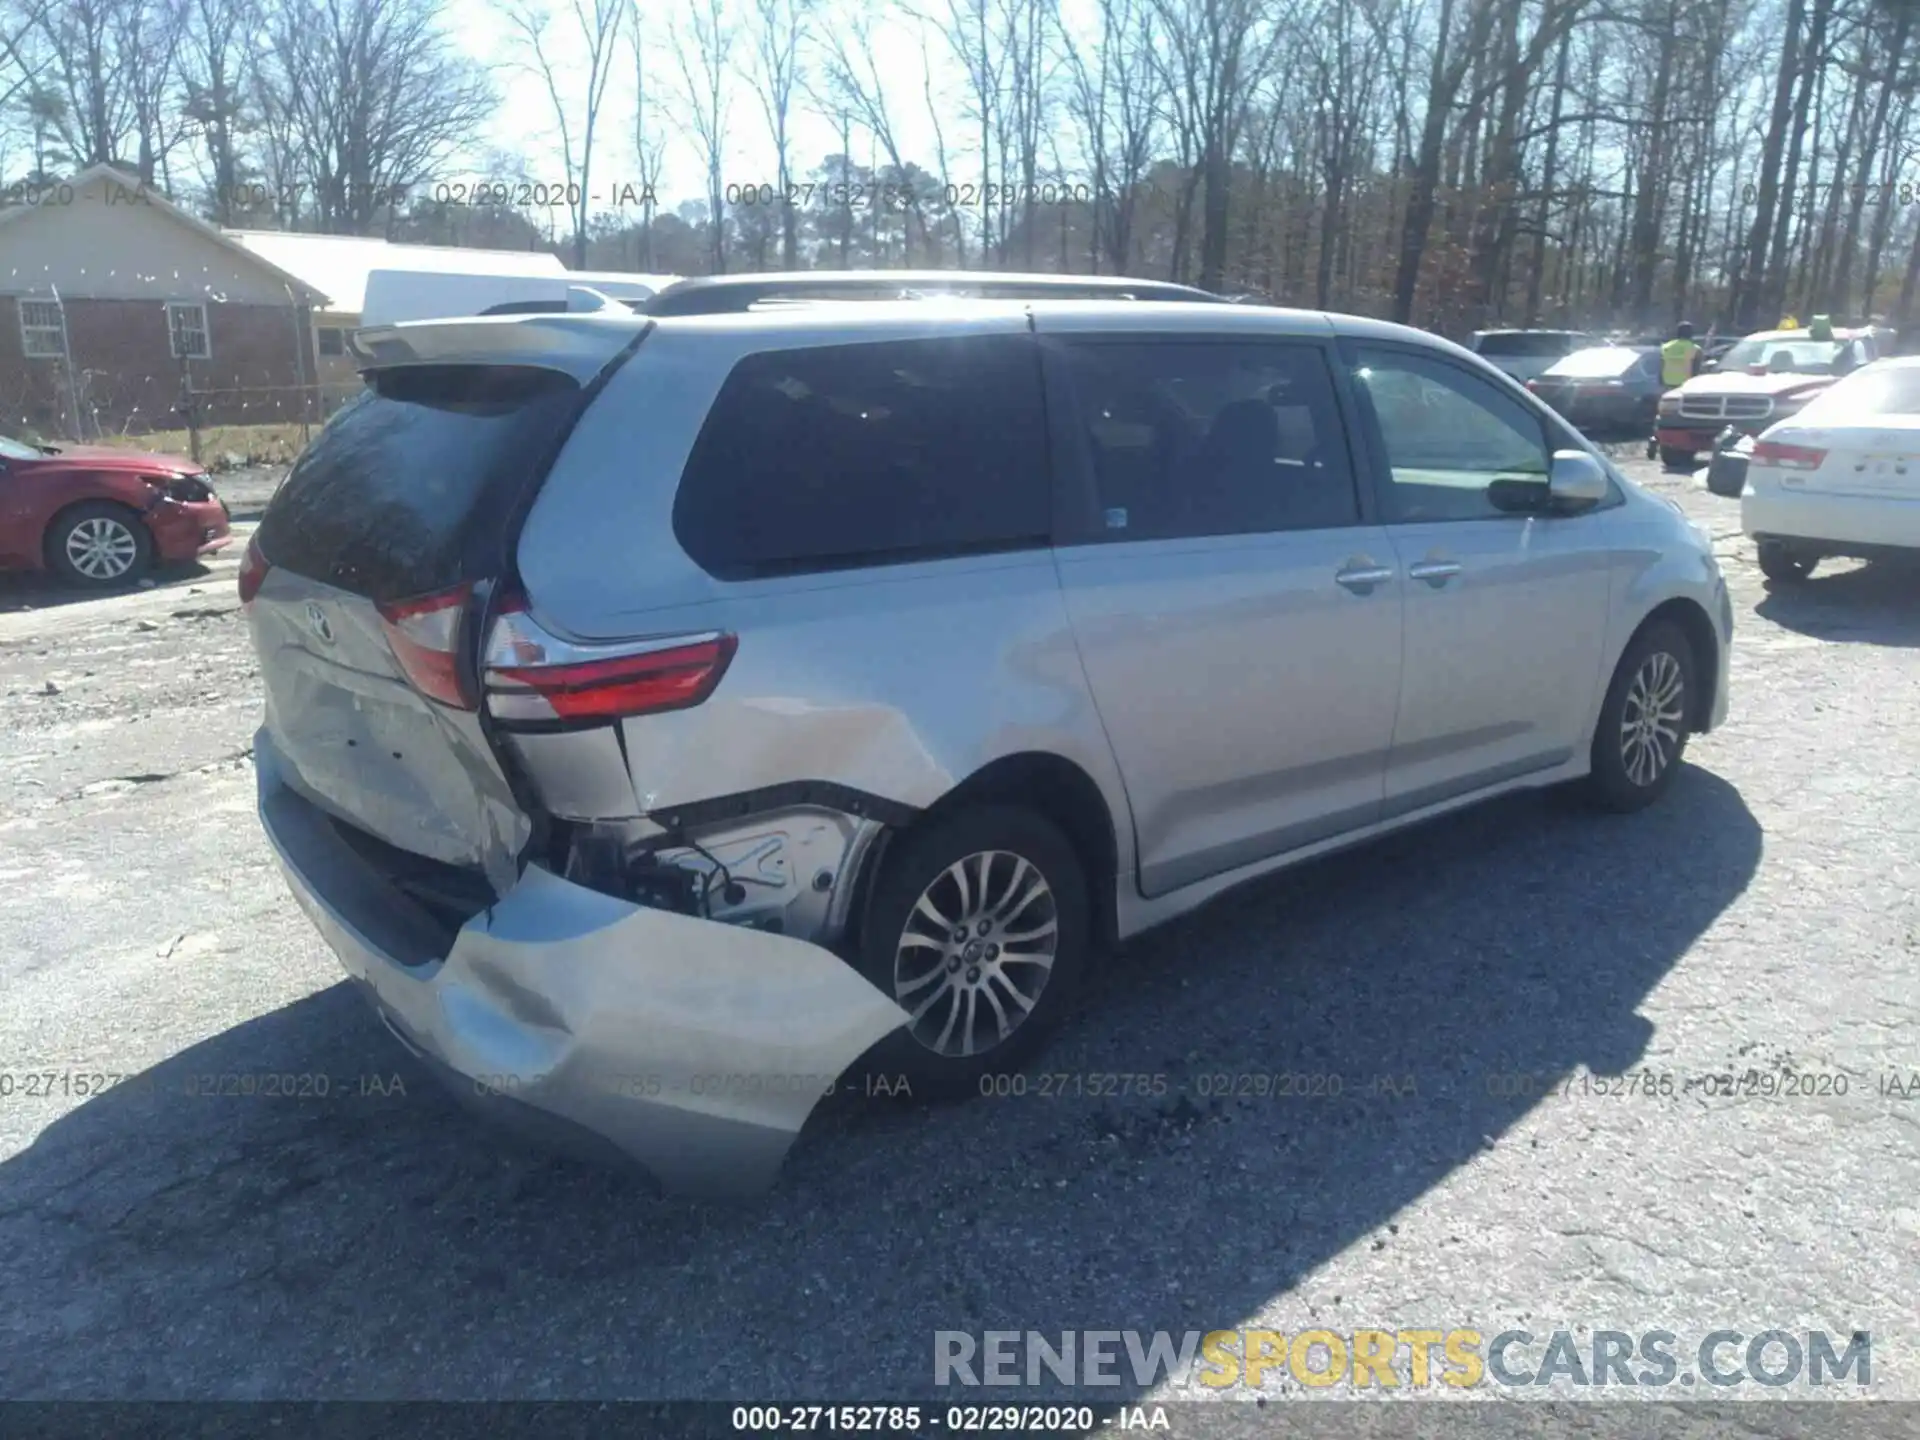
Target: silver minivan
{"points": [[670, 718]]}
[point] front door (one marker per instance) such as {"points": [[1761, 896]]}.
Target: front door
{"points": [[1506, 612]]}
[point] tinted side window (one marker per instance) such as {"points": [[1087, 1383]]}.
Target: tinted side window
{"points": [[1447, 435], [1191, 438], [844, 455]]}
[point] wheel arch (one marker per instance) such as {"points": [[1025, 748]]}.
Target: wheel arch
{"points": [[54, 520], [1693, 622], [1065, 794]]}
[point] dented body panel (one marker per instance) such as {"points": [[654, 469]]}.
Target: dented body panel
{"points": [[697, 1048], [359, 741]]}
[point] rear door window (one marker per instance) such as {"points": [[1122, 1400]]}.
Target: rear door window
{"points": [[848, 455], [1196, 438], [412, 485], [1524, 344]]}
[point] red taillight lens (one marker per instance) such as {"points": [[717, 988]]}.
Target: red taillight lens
{"points": [[618, 687], [253, 570], [424, 635], [536, 679], [1786, 457]]}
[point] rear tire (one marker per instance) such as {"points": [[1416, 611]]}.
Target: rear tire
{"points": [[99, 545], [979, 928], [1645, 721], [1672, 460], [1785, 564]]}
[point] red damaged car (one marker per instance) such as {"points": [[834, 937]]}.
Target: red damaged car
{"points": [[99, 517]]}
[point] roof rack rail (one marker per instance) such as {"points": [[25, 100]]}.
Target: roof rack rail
{"points": [[737, 294]]}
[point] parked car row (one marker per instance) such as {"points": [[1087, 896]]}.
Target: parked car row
{"points": [[1759, 380]]}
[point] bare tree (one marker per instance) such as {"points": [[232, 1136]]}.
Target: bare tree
{"points": [[87, 70], [217, 46], [649, 146], [853, 86], [366, 97], [595, 34], [779, 31], [701, 39]]}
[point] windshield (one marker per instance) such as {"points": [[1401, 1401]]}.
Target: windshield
{"points": [[1810, 357], [13, 449], [1611, 363], [1866, 394]]}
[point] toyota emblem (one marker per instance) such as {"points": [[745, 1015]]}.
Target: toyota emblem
{"points": [[317, 622]]}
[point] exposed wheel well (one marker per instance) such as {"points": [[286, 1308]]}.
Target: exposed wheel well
{"points": [[1064, 793], [1698, 629]]}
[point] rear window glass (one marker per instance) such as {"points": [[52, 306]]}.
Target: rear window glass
{"points": [[1522, 344], [412, 485], [1813, 356], [867, 454], [1595, 364]]}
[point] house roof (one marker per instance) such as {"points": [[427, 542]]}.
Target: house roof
{"points": [[338, 265], [302, 289]]}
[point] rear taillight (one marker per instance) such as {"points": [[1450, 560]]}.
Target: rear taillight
{"points": [[424, 635], [253, 570], [535, 679], [1786, 457]]}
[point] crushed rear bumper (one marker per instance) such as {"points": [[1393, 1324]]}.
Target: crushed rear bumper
{"points": [[695, 1048]]}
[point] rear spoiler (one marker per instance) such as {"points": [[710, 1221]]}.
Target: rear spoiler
{"points": [[580, 343]]}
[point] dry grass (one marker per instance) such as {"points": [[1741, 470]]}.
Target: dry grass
{"points": [[225, 447]]}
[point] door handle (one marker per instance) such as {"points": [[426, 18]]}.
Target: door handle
{"points": [[1435, 572], [1360, 577]]}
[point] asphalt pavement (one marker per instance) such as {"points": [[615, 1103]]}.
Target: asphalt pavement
{"points": [[204, 1222]]}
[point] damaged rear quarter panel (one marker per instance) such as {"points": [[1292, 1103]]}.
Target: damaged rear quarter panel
{"points": [[899, 681]]}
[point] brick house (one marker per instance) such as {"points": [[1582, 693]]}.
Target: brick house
{"points": [[113, 299]]}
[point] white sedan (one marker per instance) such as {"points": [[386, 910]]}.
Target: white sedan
{"points": [[1842, 477]]}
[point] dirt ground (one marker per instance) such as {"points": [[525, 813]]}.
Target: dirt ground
{"points": [[160, 1241]]}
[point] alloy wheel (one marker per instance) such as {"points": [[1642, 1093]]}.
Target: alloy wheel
{"points": [[101, 548], [1651, 717], [977, 949]]}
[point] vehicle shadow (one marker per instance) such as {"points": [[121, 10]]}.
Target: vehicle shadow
{"points": [[1871, 604], [34, 591], [381, 1244]]}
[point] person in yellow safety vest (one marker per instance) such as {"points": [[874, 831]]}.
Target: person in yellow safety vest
{"points": [[1678, 357]]}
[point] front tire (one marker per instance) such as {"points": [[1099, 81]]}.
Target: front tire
{"points": [[99, 545], [1671, 459], [1783, 564], [1645, 721], [979, 929]]}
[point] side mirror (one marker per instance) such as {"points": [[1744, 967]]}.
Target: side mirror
{"points": [[1577, 481], [1707, 367]]}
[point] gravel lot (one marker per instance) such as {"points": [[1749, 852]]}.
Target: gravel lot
{"points": [[379, 1243]]}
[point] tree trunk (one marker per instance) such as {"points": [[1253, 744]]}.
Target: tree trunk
{"points": [[1650, 199], [1549, 176], [1750, 267], [1876, 132], [1426, 176], [1810, 62]]}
